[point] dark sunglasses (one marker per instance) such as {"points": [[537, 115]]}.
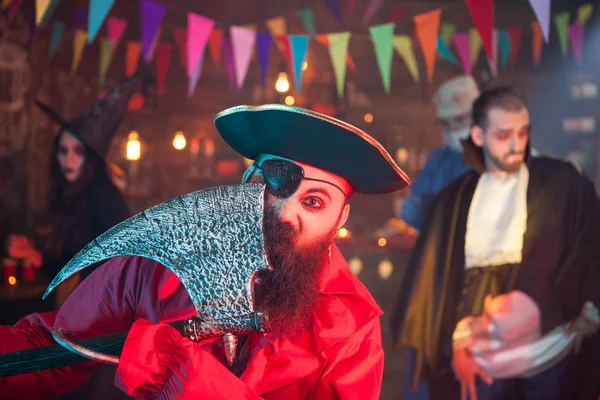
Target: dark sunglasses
{"points": [[283, 178]]}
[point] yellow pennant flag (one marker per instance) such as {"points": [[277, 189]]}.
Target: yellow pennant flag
{"points": [[78, 46], [41, 6], [404, 47], [584, 13], [475, 42]]}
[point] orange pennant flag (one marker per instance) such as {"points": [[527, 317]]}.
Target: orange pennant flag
{"points": [[132, 57], [427, 26], [538, 39], [214, 44], [324, 40]]}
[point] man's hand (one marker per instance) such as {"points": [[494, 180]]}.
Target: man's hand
{"points": [[466, 371]]}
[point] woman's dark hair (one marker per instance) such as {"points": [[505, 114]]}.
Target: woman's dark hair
{"points": [[504, 97], [66, 203]]}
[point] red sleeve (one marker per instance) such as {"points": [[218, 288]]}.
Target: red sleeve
{"points": [[355, 367], [105, 302], [158, 363]]}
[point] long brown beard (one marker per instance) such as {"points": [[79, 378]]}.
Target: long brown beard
{"points": [[289, 294]]}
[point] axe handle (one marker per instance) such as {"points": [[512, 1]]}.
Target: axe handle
{"points": [[56, 356]]}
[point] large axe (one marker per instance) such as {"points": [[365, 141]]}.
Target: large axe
{"points": [[211, 239]]}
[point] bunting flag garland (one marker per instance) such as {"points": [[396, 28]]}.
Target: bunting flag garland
{"points": [[324, 40], [383, 40], [81, 17], [538, 37], [199, 29], [78, 46], [372, 8], [58, 28], [584, 13], [444, 51], [132, 57], [215, 42], [152, 14], [263, 50], [482, 12], [229, 62], [98, 12], [541, 8], [49, 12], [334, 7], [115, 28], [562, 28], [242, 42], [396, 14], [514, 32], [41, 6], [493, 61], [163, 61], [307, 17], [106, 53], [338, 50], [299, 48], [462, 42], [504, 39], [576, 38], [427, 26], [475, 43], [404, 47], [277, 28]]}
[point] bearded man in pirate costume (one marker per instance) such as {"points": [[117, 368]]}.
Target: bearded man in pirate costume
{"points": [[504, 284], [284, 316]]}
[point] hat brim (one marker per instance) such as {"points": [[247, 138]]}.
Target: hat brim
{"points": [[52, 114], [314, 139]]}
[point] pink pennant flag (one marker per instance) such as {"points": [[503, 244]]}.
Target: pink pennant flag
{"points": [[199, 29], [576, 38], [242, 41], [462, 42], [372, 8], [115, 27], [493, 62], [350, 6], [195, 76]]}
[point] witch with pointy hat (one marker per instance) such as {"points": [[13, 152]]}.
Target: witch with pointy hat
{"points": [[84, 202]]}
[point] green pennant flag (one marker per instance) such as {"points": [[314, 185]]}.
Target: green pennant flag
{"points": [[383, 40], [338, 50], [307, 17], [562, 28], [106, 53], [446, 32], [58, 28]]}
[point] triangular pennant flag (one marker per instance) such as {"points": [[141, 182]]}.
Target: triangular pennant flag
{"points": [[562, 28], [106, 53], [284, 45], [263, 50], [324, 40], [383, 40], [396, 14], [372, 8], [493, 61], [49, 12], [403, 45], [426, 29], [444, 51], [576, 37], [98, 12], [350, 6], [514, 32], [462, 42], [446, 33], [482, 12], [181, 42], [334, 7], [163, 61], [12, 11], [81, 17], [504, 38], [58, 28], [584, 13], [229, 62], [78, 46], [214, 43], [541, 8], [41, 6], [151, 14], [132, 57], [475, 43], [277, 28], [338, 49], [307, 17], [538, 37], [299, 47], [195, 75], [242, 42], [115, 28], [199, 29]]}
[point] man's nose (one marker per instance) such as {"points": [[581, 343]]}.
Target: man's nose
{"points": [[288, 215]]}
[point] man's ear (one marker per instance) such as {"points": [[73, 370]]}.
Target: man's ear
{"points": [[477, 135], [343, 216]]}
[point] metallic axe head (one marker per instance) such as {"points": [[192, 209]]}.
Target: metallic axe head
{"points": [[211, 239]]}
